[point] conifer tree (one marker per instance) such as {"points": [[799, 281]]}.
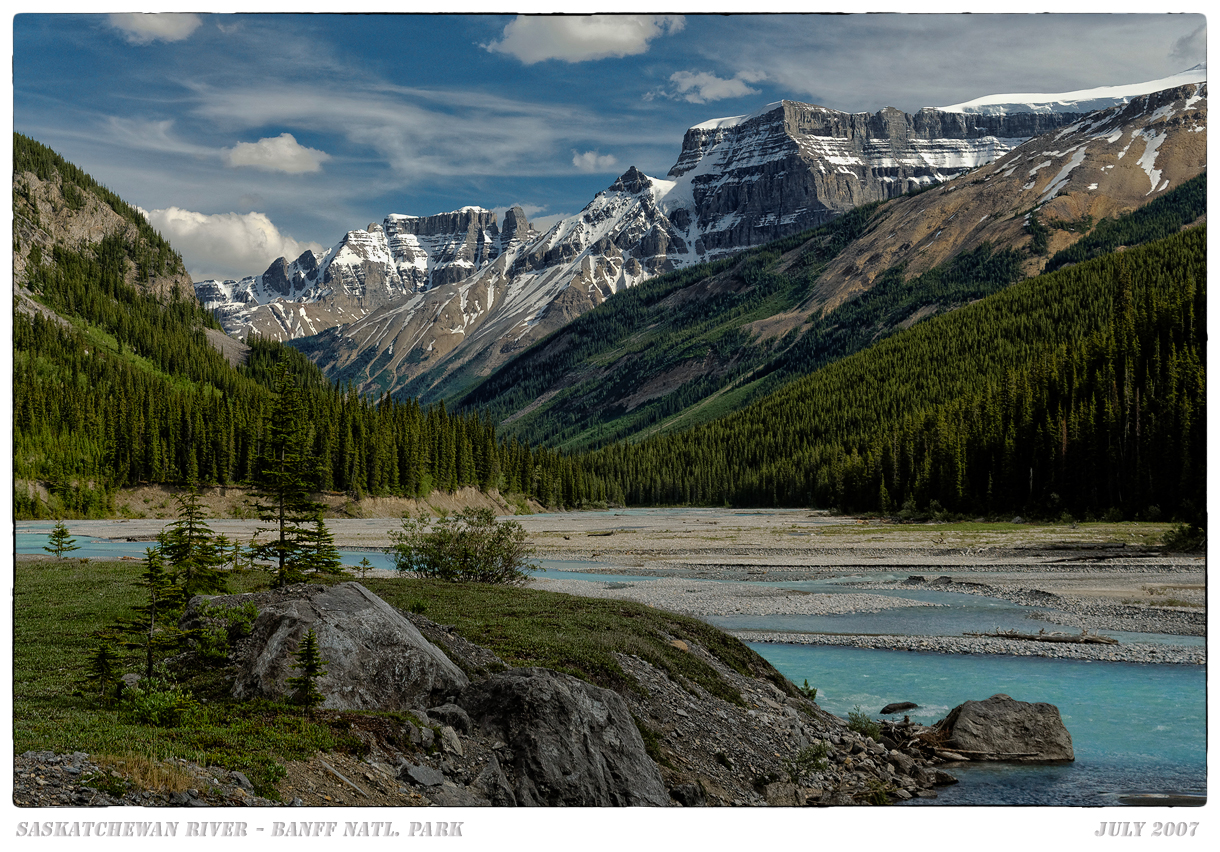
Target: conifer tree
{"points": [[318, 554], [58, 542], [310, 664], [191, 550], [102, 672], [154, 627], [283, 480]]}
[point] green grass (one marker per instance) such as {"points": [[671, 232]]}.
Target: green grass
{"points": [[580, 636], [58, 605]]}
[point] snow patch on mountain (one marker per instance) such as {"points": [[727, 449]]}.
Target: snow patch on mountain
{"points": [[1081, 100]]}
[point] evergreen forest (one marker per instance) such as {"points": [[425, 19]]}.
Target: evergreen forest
{"points": [[114, 387], [1080, 391]]}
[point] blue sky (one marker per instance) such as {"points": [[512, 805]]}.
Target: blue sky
{"points": [[247, 137]]}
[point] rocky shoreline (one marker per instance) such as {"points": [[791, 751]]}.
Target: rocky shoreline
{"points": [[524, 736], [702, 599], [1129, 653], [699, 598]]}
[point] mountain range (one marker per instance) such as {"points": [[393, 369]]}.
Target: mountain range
{"points": [[432, 305], [688, 347], [908, 310]]}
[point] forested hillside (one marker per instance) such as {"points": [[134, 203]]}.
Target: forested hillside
{"points": [[690, 346], [1080, 391], [115, 383]]}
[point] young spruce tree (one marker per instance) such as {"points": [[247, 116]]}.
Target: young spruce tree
{"points": [[58, 541], [102, 672], [318, 553], [191, 550], [284, 480], [310, 664], [154, 628]]}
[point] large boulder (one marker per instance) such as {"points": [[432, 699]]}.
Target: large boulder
{"points": [[1002, 728], [375, 658], [571, 743]]}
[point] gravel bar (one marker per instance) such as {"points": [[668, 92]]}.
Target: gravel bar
{"points": [[701, 598], [1129, 653]]}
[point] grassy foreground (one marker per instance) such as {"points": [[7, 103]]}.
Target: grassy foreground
{"points": [[580, 636], [59, 604]]}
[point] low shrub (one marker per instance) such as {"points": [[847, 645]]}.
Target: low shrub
{"points": [[471, 546], [157, 703], [859, 721], [1185, 538], [813, 758]]}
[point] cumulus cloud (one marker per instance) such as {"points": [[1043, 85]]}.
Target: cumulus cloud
{"points": [[592, 161], [579, 38], [276, 154], [225, 245], [702, 87], [145, 27]]}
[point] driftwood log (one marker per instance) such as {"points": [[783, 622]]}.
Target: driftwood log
{"points": [[1084, 638]]}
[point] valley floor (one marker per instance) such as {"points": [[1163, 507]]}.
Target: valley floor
{"points": [[1087, 577]]}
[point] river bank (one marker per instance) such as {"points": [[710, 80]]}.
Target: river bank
{"points": [[1095, 577]]}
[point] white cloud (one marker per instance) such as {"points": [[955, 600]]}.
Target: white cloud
{"points": [[276, 154], [425, 133], [1192, 47], [578, 38], [702, 87], [145, 27], [544, 223], [591, 161], [225, 245]]}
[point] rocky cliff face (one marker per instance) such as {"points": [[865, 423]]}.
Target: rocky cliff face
{"points": [[792, 166], [738, 182], [44, 218], [367, 269]]}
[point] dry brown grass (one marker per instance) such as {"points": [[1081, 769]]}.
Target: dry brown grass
{"points": [[146, 773]]}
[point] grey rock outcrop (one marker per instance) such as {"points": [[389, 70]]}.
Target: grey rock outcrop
{"points": [[425, 776], [494, 786], [1004, 729], [453, 716], [375, 658], [572, 743], [792, 165]]}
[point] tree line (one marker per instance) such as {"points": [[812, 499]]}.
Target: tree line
{"points": [[1082, 391], [125, 388], [1079, 391]]}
